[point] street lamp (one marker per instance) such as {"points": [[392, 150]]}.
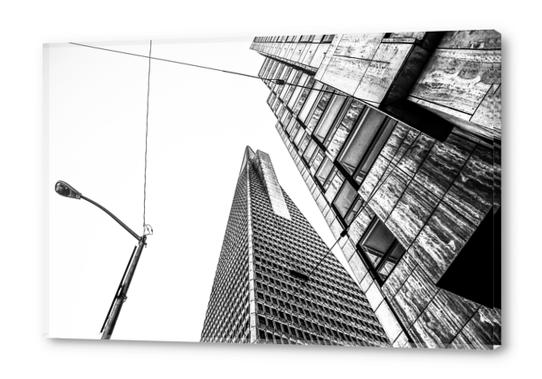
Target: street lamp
{"points": [[66, 190]]}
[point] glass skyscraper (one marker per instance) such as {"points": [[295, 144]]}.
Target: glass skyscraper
{"points": [[257, 297]]}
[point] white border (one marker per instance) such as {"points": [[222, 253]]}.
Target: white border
{"points": [[26, 25]]}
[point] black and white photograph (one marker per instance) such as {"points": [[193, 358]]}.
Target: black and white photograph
{"points": [[306, 189], [284, 189]]}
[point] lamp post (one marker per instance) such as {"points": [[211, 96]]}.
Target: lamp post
{"points": [[66, 190]]}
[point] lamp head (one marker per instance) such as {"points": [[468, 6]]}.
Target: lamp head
{"points": [[64, 189]]}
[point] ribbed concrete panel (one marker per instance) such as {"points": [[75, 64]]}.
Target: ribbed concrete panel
{"points": [[272, 185]]}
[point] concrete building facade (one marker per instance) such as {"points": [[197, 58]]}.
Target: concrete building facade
{"points": [[397, 136], [256, 298]]}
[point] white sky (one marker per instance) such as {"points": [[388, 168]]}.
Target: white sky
{"points": [[199, 124]]}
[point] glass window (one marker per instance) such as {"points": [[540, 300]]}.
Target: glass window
{"points": [[361, 140], [271, 73], [304, 142], [294, 128], [379, 239], [286, 117], [317, 112], [277, 75], [375, 150], [276, 104], [286, 76], [310, 149], [280, 110], [324, 170], [335, 181], [345, 198], [381, 248], [302, 82], [329, 117], [271, 98], [264, 68], [298, 137], [316, 161], [290, 125], [286, 72], [336, 139], [311, 99], [353, 211], [291, 88], [303, 95]]}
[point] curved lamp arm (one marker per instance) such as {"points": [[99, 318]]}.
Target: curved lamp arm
{"points": [[66, 190], [126, 227]]}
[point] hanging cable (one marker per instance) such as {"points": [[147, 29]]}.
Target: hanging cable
{"points": [[147, 229], [329, 250], [165, 60], [277, 81]]}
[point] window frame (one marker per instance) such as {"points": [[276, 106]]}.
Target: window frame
{"points": [[325, 114], [363, 251], [381, 136]]}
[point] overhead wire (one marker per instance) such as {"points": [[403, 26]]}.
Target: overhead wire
{"points": [[145, 227], [278, 81]]}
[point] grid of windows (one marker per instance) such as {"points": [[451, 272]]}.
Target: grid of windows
{"points": [[347, 151], [227, 317], [328, 309], [337, 136]]}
